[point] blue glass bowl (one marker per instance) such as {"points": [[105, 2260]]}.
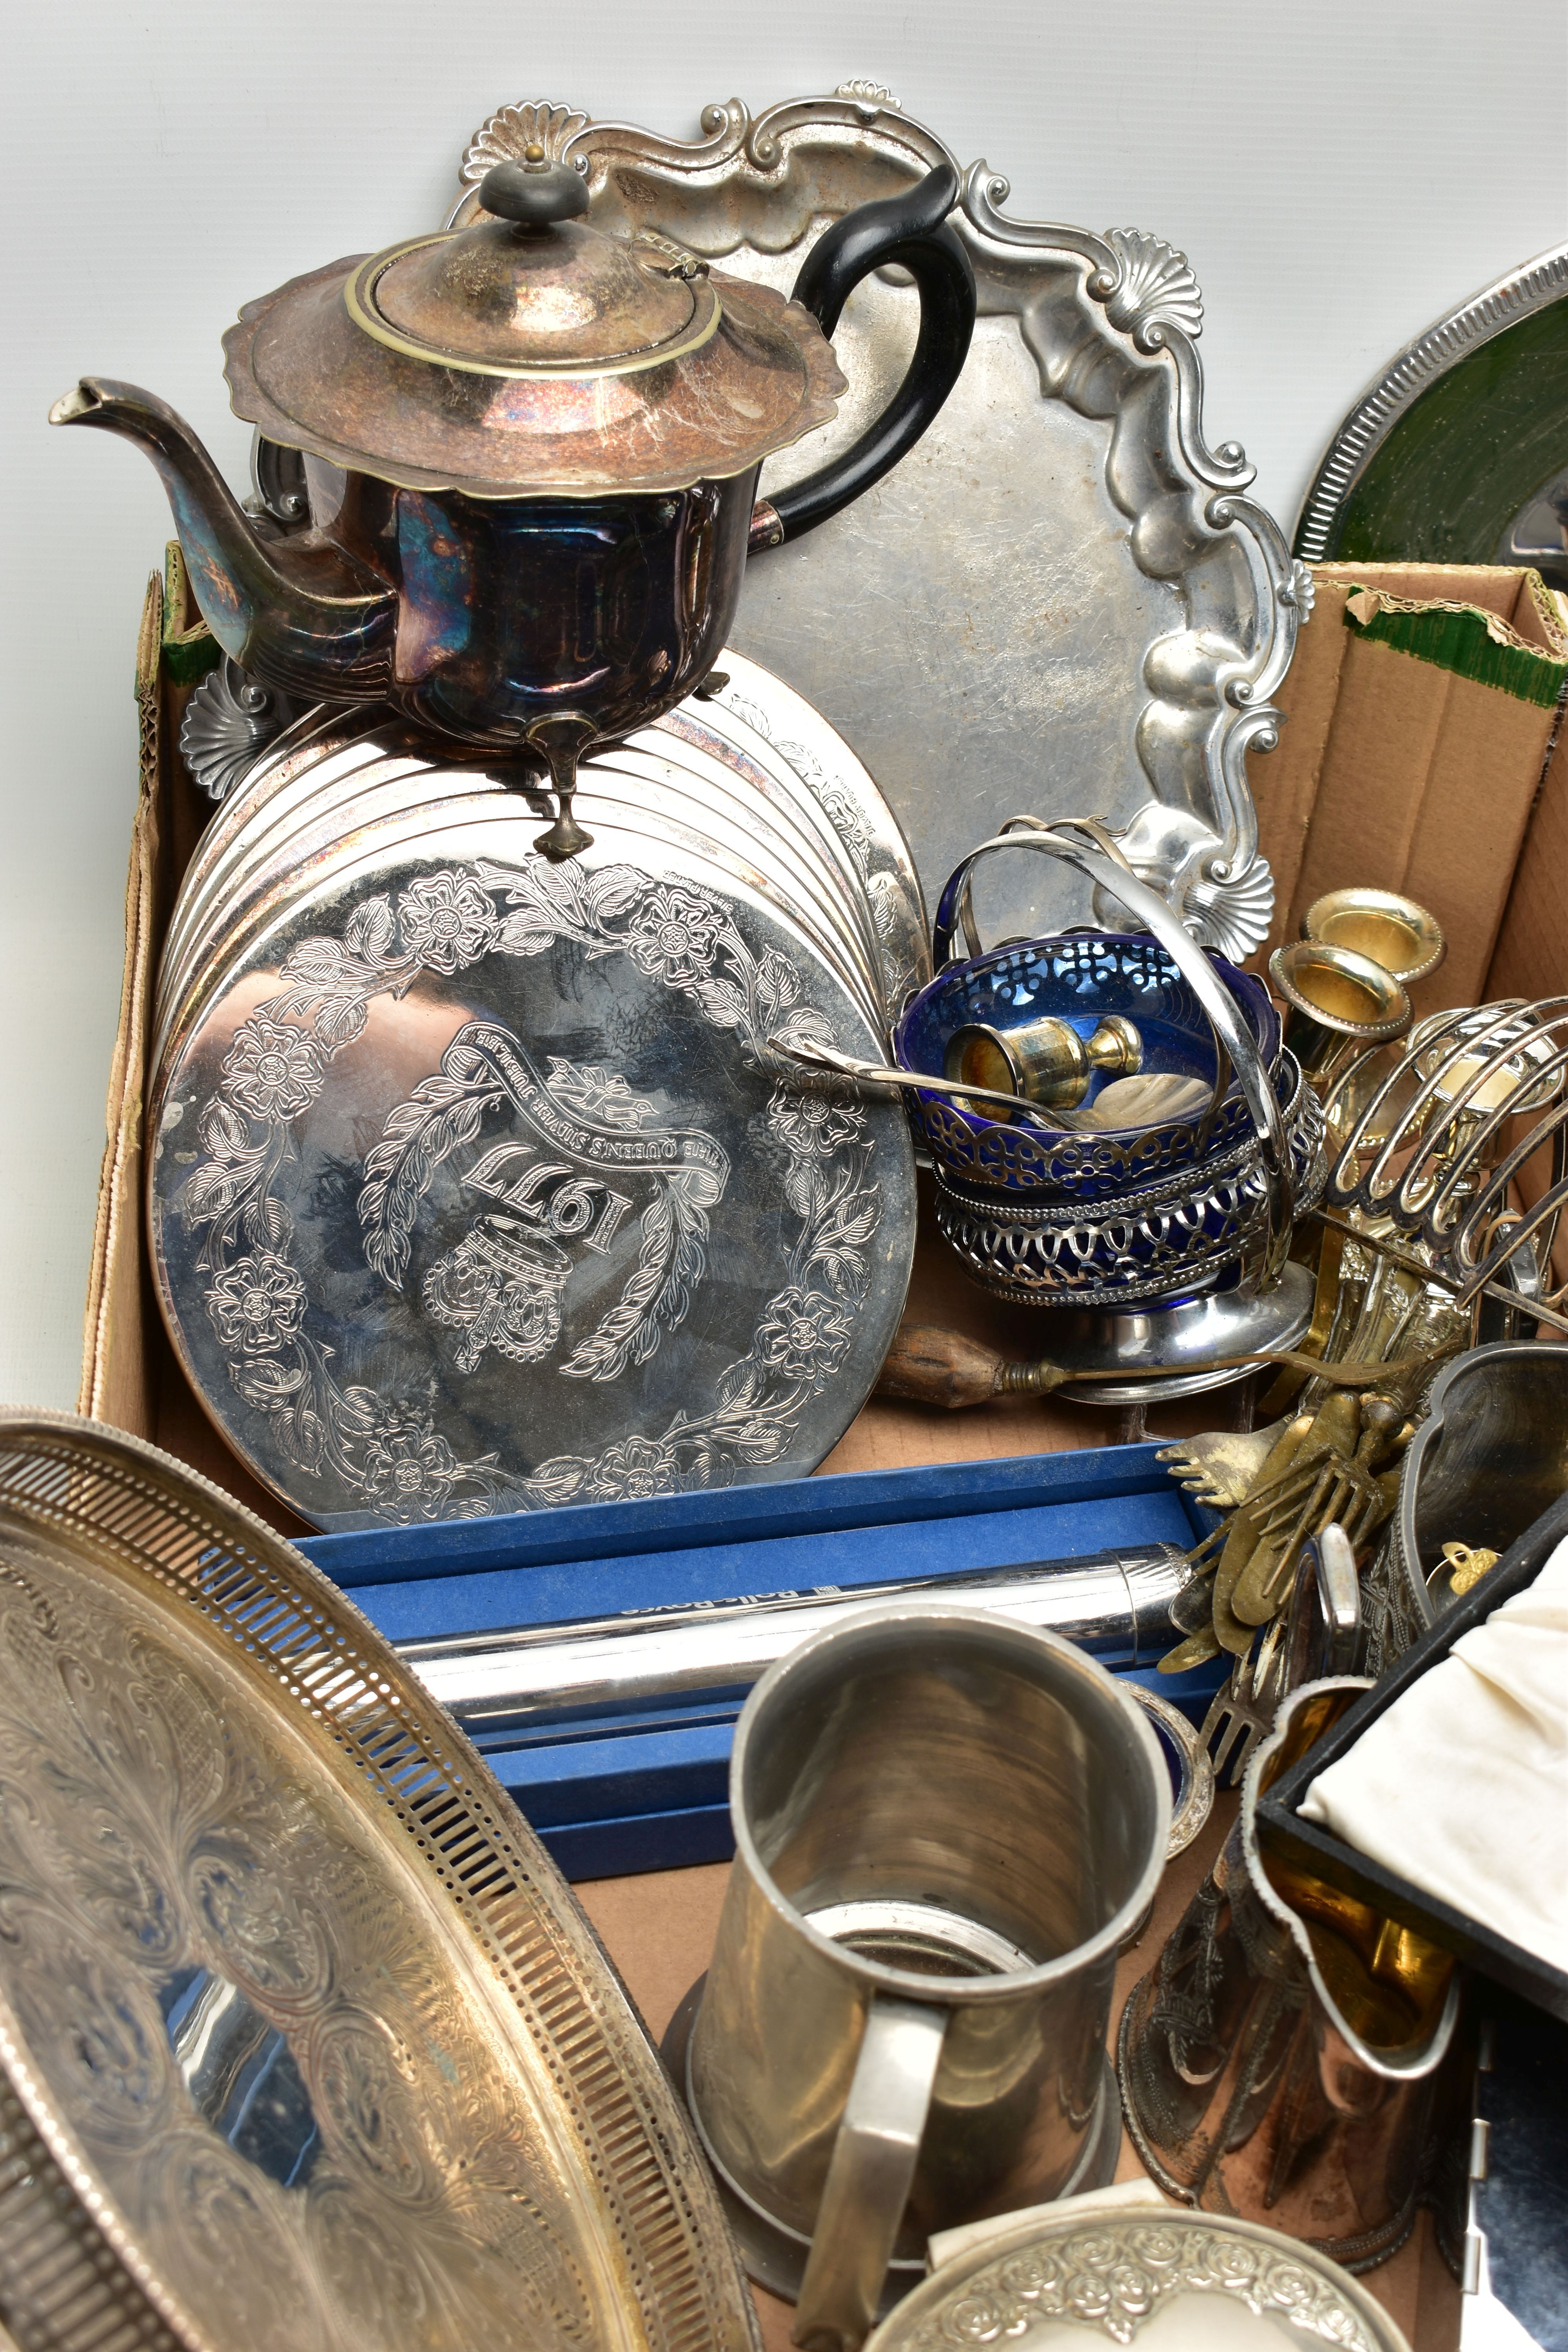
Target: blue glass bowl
{"points": [[1188, 1233], [1080, 976]]}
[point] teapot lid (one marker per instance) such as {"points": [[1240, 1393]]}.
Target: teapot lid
{"points": [[532, 352]]}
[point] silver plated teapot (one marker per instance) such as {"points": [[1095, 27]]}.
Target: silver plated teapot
{"points": [[528, 451]]}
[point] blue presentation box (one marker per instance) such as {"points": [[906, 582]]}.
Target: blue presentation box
{"points": [[648, 1791]]}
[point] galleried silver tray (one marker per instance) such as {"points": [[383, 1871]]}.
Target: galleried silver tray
{"points": [[304, 2044], [1064, 602]]}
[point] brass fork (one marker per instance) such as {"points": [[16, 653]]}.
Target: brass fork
{"points": [[1242, 1710]]}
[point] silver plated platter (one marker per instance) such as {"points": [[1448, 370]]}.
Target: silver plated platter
{"points": [[475, 1185], [1064, 601], [1120, 2274], [795, 770], [1535, 538], [330, 761], [348, 835], [402, 797], [304, 2044]]}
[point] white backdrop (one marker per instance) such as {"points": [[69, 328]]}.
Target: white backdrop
{"points": [[1338, 172]]}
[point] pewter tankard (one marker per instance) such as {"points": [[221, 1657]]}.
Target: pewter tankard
{"points": [[945, 1825]]}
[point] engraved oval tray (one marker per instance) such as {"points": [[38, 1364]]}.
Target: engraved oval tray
{"points": [[475, 1185], [1062, 600], [304, 2044]]}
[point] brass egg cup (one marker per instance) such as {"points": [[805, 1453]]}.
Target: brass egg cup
{"points": [[1045, 1061], [1382, 926]]}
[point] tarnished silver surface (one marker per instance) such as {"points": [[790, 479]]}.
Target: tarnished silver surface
{"points": [[1059, 2282], [459, 800], [1282, 2055], [1139, 1250], [1116, 1606], [1042, 1259], [229, 721], [1152, 1347], [325, 758], [1067, 602], [1193, 1801], [789, 769], [1433, 1139], [475, 1186], [697, 776], [1149, 1243], [304, 2044], [1491, 1455], [1218, 1466], [754, 702]]}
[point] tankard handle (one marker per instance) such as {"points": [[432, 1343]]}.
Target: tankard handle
{"points": [[1085, 844], [870, 2173], [911, 230]]}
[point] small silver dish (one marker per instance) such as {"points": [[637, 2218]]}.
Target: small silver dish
{"points": [[1057, 2283]]}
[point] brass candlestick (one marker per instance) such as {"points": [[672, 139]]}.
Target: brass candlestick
{"points": [[1338, 1002], [1386, 928], [1045, 1061]]}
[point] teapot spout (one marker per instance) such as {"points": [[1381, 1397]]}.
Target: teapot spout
{"points": [[296, 613]]}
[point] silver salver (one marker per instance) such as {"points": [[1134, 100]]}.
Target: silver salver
{"points": [[302, 783], [478, 1183], [304, 2044], [1067, 603], [401, 809], [1534, 538]]}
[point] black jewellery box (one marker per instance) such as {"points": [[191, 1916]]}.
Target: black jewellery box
{"points": [[1281, 1830]]}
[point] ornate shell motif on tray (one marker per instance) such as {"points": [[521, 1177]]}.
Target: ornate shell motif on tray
{"points": [[1065, 602]]}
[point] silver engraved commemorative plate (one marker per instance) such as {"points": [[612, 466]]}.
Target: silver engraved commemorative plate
{"points": [[1065, 602], [477, 1186], [401, 806], [791, 779], [304, 2044]]}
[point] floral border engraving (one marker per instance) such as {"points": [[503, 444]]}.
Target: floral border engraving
{"points": [[1111, 2279], [391, 1454]]}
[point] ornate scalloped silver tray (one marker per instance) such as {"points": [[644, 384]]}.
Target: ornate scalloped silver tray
{"points": [[1063, 601], [304, 2044], [1059, 2284]]}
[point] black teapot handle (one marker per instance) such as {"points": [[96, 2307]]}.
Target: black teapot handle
{"points": [[909, 229]]}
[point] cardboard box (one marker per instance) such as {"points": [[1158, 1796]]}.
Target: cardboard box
{"points": [[1424, 751], [659, 1928], [1420, 752]]}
